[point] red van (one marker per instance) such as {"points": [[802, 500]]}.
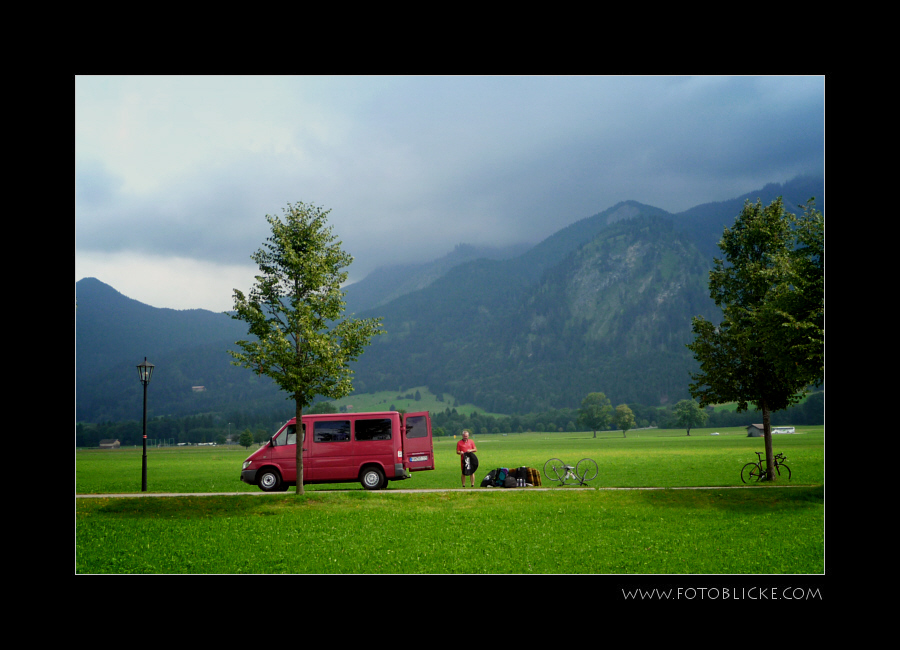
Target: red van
{"points": [[372, 448]]}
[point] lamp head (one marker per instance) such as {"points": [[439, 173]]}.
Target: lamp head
{"points": [[145, 370]]}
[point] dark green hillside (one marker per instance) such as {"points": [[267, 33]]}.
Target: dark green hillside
{"points": [[389, 283], [615, 316], [628, 291], [113, 333], [558, 246], [602, 305], [612, 315], [110, 327]]}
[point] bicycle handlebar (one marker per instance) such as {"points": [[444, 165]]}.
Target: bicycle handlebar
{"points": [[779, 455]]}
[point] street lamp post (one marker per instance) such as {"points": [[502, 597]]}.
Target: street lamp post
{"points": [[145, 370]]}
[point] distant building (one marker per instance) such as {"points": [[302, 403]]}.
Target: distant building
{"points": [[198, 389], [109, 444], [756, 430]]}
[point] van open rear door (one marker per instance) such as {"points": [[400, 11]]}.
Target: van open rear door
{"points": [[418, 450]]}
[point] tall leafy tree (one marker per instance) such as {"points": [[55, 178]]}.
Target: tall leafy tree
{"points": [[623, 418], [294, 313], [689, 414], [770, 286], [595, 412]]}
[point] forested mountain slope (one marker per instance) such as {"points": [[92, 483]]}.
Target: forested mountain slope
{"points": [[604, 304], [613, 315]]}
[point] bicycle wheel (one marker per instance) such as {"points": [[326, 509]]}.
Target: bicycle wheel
{"points": [[750, 473], [781, 468], [586, 470], [554, 469]]}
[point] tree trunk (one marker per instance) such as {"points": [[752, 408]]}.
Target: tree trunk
{"points": [[767, 436], [595, 433], [299, 414]]}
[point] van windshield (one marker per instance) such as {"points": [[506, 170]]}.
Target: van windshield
{"points": [[289, 436]]}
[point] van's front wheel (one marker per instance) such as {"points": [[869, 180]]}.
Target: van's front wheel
{"points": [[372, 478], [269, 480]]}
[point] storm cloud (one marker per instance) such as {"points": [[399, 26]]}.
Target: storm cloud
{"points": [[174, 175]]}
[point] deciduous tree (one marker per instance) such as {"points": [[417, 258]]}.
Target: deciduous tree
{"points": [[688, 414], [595, 412], [623, 418], [294, 313], [770, 285]]}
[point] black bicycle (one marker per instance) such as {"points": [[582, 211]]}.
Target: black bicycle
{"points": [[755, 472]]}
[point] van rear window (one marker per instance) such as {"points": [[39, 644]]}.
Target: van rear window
{"points": [[379, 429], [416, 427], [332, 431]]}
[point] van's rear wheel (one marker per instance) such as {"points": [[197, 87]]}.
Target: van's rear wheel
{"points": [[269, 480], [372, 478]]}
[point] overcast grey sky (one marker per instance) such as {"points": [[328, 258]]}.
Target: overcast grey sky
{"points": [[174, 175]]}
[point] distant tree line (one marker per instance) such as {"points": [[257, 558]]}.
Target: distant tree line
{"points": [[812, 411], [451, 423], [192, 429], [195, 429]]}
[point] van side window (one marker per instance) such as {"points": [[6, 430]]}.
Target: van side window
{"points": [[373, 429], [332, 431], [289, 437], [416, 427]]}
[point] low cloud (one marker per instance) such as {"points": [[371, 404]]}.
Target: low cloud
{"points": [[185, 169]]}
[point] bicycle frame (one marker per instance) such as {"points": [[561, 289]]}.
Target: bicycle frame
{"points": [[570, 474]]}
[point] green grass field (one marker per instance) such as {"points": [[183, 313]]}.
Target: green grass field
{"points": [[383, 400], [344, 529]]}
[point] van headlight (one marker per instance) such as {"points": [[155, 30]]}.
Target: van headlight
{"points": [[246, 464]]}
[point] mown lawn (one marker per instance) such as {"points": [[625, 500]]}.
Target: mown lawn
{"points": [[343, 529], [718, 531]]}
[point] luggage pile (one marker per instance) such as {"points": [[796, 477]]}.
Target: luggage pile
{"points": [[515, 477]]}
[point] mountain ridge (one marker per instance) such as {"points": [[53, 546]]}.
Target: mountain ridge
{"points": [[603, 304], [548, 340], [389, 282]]}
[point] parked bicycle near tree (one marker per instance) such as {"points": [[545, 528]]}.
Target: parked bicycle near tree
{"points": [[755, 472]]}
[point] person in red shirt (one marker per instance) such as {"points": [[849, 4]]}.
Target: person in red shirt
{"points": [[463, 447]]}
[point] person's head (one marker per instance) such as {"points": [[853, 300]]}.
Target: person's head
{"points": [[465, 434]]}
